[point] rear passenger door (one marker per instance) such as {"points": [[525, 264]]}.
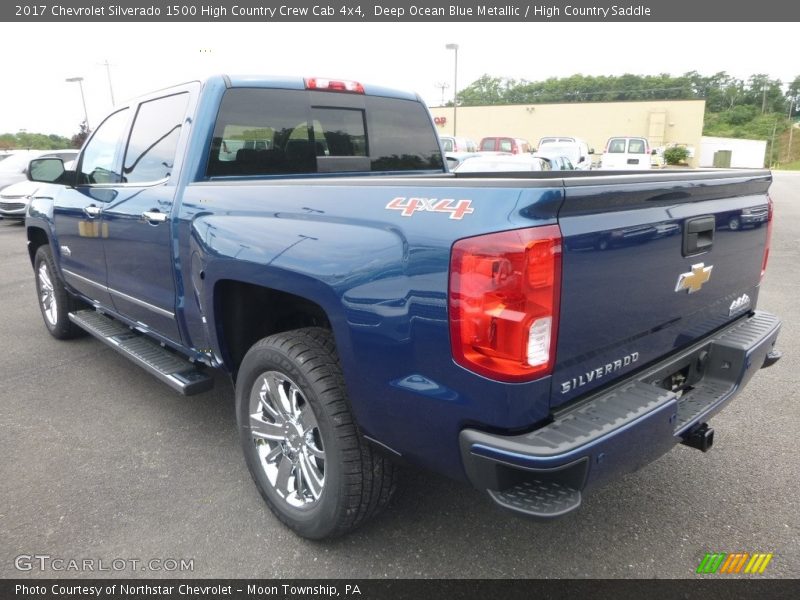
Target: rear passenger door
{"points": [[138, 249]]}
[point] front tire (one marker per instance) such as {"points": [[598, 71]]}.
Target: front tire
{"points": [[300, 441], [55, 302]]}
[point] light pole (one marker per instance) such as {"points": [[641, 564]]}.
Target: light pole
{"points": [[110, 88], [83, 98], [455, 84]]}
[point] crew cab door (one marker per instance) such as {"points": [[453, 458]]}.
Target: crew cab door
{"points": [[138, 249], [78, 210]]}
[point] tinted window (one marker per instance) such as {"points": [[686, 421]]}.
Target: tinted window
{"points": [[505, 145], [401, 136], [98, 163], [275, 132], [487, 145], [154, 139]]}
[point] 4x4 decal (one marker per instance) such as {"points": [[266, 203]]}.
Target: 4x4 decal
{"points": [[408, 206]]}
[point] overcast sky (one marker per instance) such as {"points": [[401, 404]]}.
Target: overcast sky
{"points": [[38, 57]]}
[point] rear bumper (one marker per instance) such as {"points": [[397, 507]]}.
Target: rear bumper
{"points": [[542, 473]]}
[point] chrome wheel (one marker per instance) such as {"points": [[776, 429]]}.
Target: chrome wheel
{"points": [[47, 295], [287, 439]]}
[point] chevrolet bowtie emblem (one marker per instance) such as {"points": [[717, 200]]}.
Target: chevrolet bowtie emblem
{"points": [[694, 279]]}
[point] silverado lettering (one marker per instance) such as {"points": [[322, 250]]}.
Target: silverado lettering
{"points": [[599, 372]]}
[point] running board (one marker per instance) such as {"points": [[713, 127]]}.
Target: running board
{"points": [[177, 372]]}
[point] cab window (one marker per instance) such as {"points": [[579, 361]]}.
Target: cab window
{"points": [[154, 139], [278, 132]]}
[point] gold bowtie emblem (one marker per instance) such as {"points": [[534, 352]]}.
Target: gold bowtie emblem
{"points": [[694, 279]]}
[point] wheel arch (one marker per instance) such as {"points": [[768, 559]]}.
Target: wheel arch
{"points": [[246, 312], [37, 237]]}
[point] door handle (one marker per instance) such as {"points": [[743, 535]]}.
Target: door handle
{"points": [[698, 235], [92, 210], [154, 217]]}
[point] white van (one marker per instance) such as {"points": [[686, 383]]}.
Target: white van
{"points": [[623, 153]]}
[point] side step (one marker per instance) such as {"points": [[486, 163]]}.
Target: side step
{"points": [[177, 372], [538, 498]]}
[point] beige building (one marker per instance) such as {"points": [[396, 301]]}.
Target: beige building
{"points": [[662, 122]]}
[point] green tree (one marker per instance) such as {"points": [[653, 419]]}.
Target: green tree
{"points": [[793, 97]]}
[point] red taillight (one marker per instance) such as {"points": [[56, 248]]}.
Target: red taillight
{"points": [[769, 239], [334, 85], [503, 300]]}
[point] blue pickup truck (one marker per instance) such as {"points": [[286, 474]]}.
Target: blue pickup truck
{"points": [[371, 308]]}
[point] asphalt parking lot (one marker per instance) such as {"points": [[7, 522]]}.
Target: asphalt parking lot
{"points": [[100, 461]]}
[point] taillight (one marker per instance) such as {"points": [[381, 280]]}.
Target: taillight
{"points": [[769, 239], [334, 85], [503, 300]]}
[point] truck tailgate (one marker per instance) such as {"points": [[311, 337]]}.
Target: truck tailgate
{"points": [[652, 263]]}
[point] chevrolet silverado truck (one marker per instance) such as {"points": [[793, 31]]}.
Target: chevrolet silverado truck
{"points": [[370, 307]]}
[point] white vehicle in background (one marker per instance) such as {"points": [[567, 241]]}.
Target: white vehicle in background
{"points": [[502, 162], [577, 151], [624, 153], [15, 198], [14, 168], [458, 144], [555, 139]]}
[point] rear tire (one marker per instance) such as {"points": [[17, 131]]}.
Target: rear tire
{"points": [[301, 444], [55, 302]]}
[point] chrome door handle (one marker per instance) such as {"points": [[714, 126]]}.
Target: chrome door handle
{"points": [[154, 216], [92, 210]]}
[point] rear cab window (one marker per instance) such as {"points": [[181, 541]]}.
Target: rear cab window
{"points": [[285, 132]]}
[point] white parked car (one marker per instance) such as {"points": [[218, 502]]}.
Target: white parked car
{"points": [[14, 168], [577, 151], [623, 153], [457, 144], [486, 163], [15, 198]]}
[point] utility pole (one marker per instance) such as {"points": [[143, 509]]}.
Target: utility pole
{"points": [[791, 130], [772, 145], [442, 85]]}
